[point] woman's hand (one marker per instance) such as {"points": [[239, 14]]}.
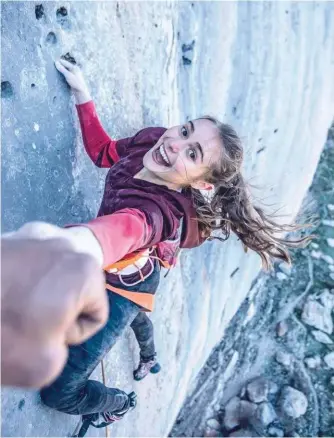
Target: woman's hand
{"points": [[75, 80]]}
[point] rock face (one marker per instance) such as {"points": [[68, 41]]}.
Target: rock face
{"points": [[282, 328], [212, 423], [327, 299], [318, 316], [269, 63], [293, 402], [284, 358], [232, 413], [275, 431], [313, 362], [321, 337], [265, 414], [257, 390], [329, 359]]}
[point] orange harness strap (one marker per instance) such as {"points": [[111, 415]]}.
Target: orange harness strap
{"points": [[142, 299], [129, 259]]}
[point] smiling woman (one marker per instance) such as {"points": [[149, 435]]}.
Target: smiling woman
{"points": [[183, 156], [152, 206]]}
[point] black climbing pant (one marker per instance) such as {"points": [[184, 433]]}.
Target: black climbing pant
{"points": [[73, 392]]}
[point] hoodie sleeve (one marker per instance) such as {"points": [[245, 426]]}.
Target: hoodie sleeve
{"points": [[100, 148], [103, 150], [120, 233]]}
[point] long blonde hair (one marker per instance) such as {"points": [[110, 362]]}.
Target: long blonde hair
{"points": [[231, 207]]}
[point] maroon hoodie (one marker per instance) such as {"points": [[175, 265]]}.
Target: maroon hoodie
{"points": [[134, 214]]}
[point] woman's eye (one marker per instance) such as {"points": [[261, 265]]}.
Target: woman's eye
{"points": [[184, 131], [192, 154]]}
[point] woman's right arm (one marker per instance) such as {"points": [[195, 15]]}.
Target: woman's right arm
{"points": [[99, 146]]}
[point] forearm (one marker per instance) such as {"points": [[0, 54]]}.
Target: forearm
{"points": [[120, 234], [80, 238], [99, 146], [82, 96], [84, 241]]}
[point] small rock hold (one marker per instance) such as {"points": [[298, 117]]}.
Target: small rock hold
{"points": [[314, 245], [187, 47], [186, 61], [313, 362], [293, 402], [332, 381], [329, 359], [321, 337], [330, 207], [275, 431], [266, 414], [281, 276], [258, 389], [39, 11], [61, 12], [283, 358], [6, 90], [62, 18], [68, 57], [282, 328], [213, 424], [51, 38], [318, 316]]}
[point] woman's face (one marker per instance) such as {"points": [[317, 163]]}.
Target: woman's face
{"points": [[184, 154]]}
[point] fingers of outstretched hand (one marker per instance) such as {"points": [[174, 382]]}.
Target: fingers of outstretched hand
{"points": [[73, 301], [91, 301], [71, 67], [31, 364], [57, 299], [36, 230], [62, 69]]}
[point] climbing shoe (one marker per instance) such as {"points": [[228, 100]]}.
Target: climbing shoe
{"points": [[104, 419], [145, 367]]}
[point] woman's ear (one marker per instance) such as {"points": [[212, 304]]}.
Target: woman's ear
{"points": [[202, 185]]}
